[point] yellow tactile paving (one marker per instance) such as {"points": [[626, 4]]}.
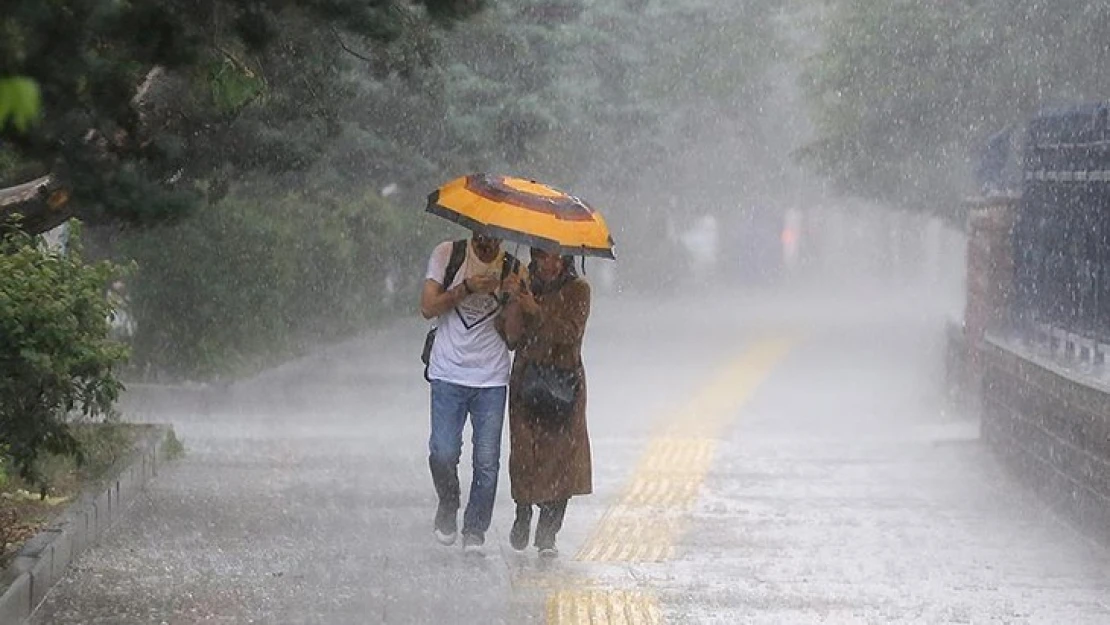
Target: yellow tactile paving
{"points": [[670, 473], [716, 405], [551, 582], [644, 524], [602, 607], [624, 537], [674, 456]]}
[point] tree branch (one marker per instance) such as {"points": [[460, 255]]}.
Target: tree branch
{"points": [[42, 203], [342, 44]]}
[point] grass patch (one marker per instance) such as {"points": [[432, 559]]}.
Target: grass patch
{"points": [[25, 510]]}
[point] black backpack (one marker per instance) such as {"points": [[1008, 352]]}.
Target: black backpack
{"points": [[509, 264]]}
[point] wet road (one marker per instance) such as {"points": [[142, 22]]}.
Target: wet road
{"points": [[771, 460]]}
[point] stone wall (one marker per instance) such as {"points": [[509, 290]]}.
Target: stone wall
{"points": [[1051, 425], [1046, 417]]}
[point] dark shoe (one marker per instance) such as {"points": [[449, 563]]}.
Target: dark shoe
{"points": [[545, 541], [444, 538], [473, 544], [522, 530], [447, 526]]}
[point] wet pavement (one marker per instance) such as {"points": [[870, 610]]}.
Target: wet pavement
{"points": [[779, 459]]}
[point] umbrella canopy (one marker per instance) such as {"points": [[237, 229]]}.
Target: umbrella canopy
{"points": [[523, 211]]}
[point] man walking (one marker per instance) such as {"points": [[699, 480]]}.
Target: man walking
{"points": [[468, 369]]}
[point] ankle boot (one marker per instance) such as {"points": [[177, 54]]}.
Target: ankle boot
{"points": [[522, 527]]}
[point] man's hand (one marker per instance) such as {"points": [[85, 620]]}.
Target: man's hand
{"points": [[434, 301], [483, 284]]}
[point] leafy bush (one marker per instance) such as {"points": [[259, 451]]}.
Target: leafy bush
{"points": [[245, 282], [56, 361]]}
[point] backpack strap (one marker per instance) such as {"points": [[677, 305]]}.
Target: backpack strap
{"points": [[458, 255]]}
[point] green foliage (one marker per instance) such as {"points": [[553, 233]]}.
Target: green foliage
{"points": [[301, 246], [60, 476], [9, 165], [104, 446], [172, 447], [56, 363], [279, 121], [149, 106], [233, 86], [598, 96], [244, 283], [904, 91], [19, 102]]}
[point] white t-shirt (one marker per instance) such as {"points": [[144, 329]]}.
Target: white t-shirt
{"points": [[468, 350]]}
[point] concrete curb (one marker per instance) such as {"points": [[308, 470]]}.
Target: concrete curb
{"points": [[43, 560]]}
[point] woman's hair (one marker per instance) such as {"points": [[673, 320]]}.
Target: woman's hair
{"points": [[569, 269], [539, 287]]}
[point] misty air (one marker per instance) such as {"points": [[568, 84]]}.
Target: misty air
{"points": [[560, 312]]}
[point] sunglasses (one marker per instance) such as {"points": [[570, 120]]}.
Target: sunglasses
{"points": [[481, 239]]}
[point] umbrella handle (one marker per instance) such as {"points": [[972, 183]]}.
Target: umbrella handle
{"points": [[504, 297]]}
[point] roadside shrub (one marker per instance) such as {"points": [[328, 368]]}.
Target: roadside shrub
{"points": [[56, 360], [248, 282]]}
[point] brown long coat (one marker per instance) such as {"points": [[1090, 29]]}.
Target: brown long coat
{"points": [[549, 464]]}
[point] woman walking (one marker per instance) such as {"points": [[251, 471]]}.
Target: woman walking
{"points": [[549, 459]]}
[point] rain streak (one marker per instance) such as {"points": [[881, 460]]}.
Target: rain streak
{"points": [[554, 311]]}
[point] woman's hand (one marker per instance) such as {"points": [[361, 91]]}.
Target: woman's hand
{"points": [[512, 285], [528, 303], [519, 293]]}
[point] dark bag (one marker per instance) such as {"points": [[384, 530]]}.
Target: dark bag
{"points": [[426, 355], [549, 392]]}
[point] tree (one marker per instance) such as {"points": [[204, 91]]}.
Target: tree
{"points": [[270, 128], [149, 106], [904, 92], [56, 361]]}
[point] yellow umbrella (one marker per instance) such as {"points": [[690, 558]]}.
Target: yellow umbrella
{"points": [[523, 211]]}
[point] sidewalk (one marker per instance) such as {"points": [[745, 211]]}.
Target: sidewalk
{"points": [[304, 495], [825, 486]]}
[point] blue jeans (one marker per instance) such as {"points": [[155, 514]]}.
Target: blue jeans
{"points": [[451, 403]]}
